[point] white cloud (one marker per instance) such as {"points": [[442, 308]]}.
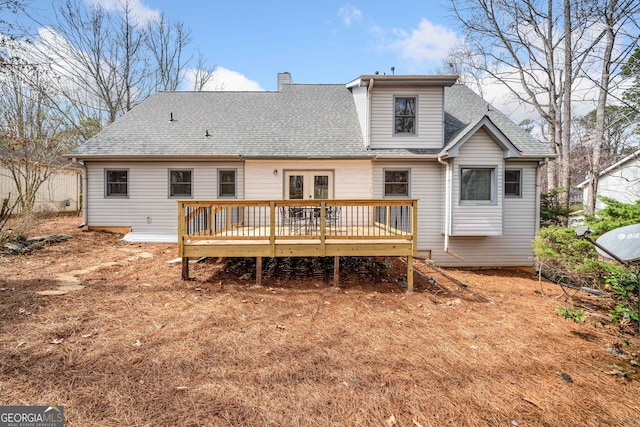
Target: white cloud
{"points": [[141, 12], [349, 14], [428, 43], [224, 79]]}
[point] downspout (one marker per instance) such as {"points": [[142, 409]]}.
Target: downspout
{"points": [[84, 189], [368, 136], [448, 183]]}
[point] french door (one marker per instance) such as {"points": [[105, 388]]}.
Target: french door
{"points": [[312, 184]]}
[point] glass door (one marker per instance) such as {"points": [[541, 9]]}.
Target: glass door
{"points": [[301, 185]]}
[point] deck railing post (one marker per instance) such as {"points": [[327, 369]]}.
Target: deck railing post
{"points": [[181, 220], [272, 228], [414, 227], [323, 226]]}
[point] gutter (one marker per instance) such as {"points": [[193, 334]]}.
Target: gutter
{"points": [[159, 157], [448, 184]]}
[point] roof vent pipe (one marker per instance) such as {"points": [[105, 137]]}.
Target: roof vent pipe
{"points": [[170, 117]]}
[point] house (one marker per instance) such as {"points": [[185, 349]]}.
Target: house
{"points": [[473, 172], [620, 181], [60, 192]]}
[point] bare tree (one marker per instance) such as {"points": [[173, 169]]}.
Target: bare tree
{"points": [[85, 50], [30, 144], [166, 43], [107, 61], [616, 15], [202, 74], [537, 49]]}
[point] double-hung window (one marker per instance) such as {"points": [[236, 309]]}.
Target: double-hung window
{"points": [[396, 183], [477, 185], [405, 115], [116, 182], [226, 183], [513, 183], [180, 183]]}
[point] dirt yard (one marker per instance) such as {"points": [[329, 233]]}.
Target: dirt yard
{"points": [[108, 330]]}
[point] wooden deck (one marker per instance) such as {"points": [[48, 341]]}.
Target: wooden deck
{"points": [[296, 228]]}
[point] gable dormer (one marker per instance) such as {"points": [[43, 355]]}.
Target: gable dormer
{"points": [[401, 111]]}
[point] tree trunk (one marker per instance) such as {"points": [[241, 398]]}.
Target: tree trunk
{"points": [[565, 166], [598, 138]]}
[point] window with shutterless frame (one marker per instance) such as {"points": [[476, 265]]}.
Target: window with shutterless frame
{"points": [[227, 183], [116, 182], [513, 183], [477, 185], [181, 183], [405, 115], [396, 182]]}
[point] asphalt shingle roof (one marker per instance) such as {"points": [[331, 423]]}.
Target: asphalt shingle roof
{"points": [[301, 121], [463, 108]]}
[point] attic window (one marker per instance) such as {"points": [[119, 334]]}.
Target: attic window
{"points": [[405, 115]]}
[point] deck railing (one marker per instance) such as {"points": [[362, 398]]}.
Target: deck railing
{"points": [[296, 219], [283, 228]]}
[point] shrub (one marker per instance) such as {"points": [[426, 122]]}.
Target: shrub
{"points": [[624, 289], [551, 212], [562, 256]]}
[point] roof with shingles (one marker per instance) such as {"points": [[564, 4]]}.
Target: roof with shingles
{"points": [[301, 121], [464, 108]]}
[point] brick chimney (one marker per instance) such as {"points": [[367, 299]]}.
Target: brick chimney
{"points": [[283, 79]]}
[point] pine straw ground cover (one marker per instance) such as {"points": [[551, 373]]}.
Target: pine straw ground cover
{"points": [[138, 347]]}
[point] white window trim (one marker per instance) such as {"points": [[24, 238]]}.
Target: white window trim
{"points": [[180, 196], [494, 188], [106, 184]]}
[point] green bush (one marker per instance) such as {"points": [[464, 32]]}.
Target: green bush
{"points": [[624, 289], [551, 212], [562, 256]]}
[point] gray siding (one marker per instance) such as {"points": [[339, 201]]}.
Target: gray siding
{"points": [[477, 219], [430, 118], [426, 179], [513, 248], [149, 209]]}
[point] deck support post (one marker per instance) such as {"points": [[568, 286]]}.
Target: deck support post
{"points": [[409, 273], [185, 268], [258, 270], [336, 270]]}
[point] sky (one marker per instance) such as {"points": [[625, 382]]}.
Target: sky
{"points": [[322, 41]]}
